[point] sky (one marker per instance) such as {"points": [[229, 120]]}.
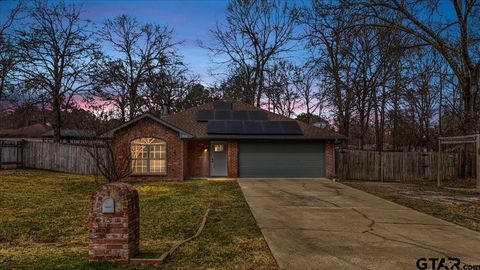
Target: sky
{"points": [[190, 21]]}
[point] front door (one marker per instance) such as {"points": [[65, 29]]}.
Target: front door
{"points": [[218, 159]]}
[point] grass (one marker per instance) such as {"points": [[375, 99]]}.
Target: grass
{"points": [[43, 223], [457, 206]]}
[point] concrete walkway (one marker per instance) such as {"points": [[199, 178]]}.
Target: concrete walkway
{"points": [[320, 224]]}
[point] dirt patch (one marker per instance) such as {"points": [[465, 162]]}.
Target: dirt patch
{"points": [[442, 197], [459, 204]]}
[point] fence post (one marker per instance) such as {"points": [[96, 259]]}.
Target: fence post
{"points": [[22, 148], [439, 163], [381, 167], [1, 148], [477, 161], [342, 164]]}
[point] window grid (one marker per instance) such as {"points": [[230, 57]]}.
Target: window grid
{"points": [[218, 147], [149, 156]]}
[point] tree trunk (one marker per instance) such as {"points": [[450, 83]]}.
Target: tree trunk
{"points": [[57, 117], [2, 85], [259, 90], [468, 89], [122, 114], [381, 134], [376, 123], [133, 101]]}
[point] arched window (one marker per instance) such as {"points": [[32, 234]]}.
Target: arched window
{"points": [[149, 156]]}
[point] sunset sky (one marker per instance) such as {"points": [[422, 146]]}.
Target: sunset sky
{"points": [[190, 20]]}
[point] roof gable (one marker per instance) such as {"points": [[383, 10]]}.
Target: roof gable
{"points": [[183, 134]]}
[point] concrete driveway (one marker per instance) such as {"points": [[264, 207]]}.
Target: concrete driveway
{"points": [[320, 224]]}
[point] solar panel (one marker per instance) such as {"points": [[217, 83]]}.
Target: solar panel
{"points": [[290, 127], [223, 115], [216, 127], [272, 127], [204, 115], [252, 127], [240, 115], [234, 127], [257, 115], [222, 105]]}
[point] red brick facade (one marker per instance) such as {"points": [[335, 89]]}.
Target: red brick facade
{"points": [[114, 236], [186, 158], [149, 128], [198, 159], [232, 159]]}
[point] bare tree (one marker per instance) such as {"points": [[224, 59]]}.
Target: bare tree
{"points": [[328, 36], [8, 56], [255, 33], [105, 154], [56, 53], [282, 95], [111, 86], [388, 50], [305, 82], [456, 38], [237, 85], [198, 95], [422, 94], [140, 48], [167, 86], [112, 159]]}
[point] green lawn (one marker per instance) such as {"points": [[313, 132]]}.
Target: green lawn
{"points": [[43, 223]]}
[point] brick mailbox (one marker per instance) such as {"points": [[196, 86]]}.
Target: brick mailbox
{"points": [[114, 223]]}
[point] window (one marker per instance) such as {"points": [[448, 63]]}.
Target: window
{"points": [[218, 147], [149, 156]]}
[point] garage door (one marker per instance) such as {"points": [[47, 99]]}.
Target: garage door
{"points": [[281, 159]]}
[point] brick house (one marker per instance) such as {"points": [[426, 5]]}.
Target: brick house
{"points": [[223, 139]]}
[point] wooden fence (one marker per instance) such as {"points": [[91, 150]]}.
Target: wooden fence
{"points": [[350, 164], [56, 157], [11, 154], [395, 166]]}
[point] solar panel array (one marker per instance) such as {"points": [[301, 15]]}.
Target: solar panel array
{"points": [[207, 115], [223, 120], [252, 127]]}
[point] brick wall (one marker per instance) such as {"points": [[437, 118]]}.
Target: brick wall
{"points": [[114, 237], [329, 166], [232, 159], [185, 159], [198, 159], [188, 158], [176, 164]]}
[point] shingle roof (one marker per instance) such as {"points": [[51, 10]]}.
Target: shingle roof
{"points": [[187, 121], [32, 131], [71, 133]]}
